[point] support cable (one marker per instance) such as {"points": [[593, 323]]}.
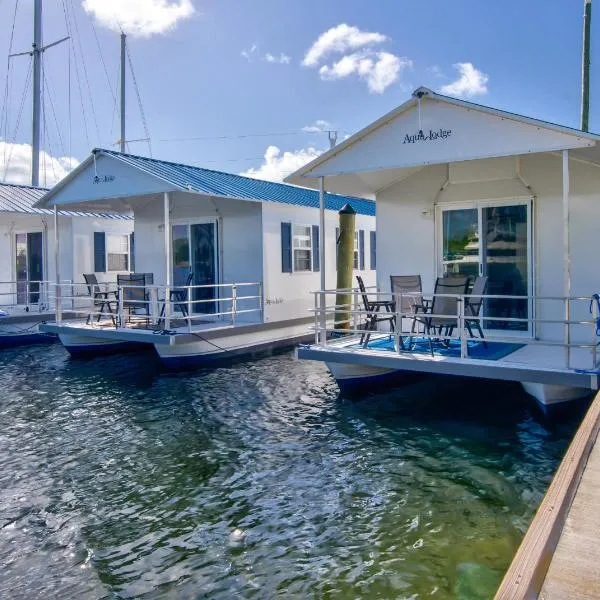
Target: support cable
{"points": [[139, 99]]}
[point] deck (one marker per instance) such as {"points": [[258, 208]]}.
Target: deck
{"points": [[524, 362], [559, 557]]}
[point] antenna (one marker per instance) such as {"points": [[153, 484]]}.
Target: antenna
{"points": [[36, 53], [333, 136], [123, 52], [585, 69]]}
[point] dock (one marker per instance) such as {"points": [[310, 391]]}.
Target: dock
{"points": [[559, 557]]}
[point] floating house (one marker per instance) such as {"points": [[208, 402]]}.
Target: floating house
{"points": [[224, 264], [27, 257], [493, 217]]}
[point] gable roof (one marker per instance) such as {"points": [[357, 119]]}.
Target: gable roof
{"points": [[17, 198], [218, 183], [578, 139]]}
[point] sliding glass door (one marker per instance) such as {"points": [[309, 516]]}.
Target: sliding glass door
{"points": [[29, 266], [195, 251], [492, 239]]}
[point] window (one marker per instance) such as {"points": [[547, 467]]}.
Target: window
{"points": [[356, 249], [302, 247], [373, 246], [117, 252]]}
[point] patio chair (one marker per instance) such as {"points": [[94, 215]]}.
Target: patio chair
{"points": [[372, 309], [178, 296], [413, 301], [473, 307], [444, 306], [101, 298], [136, 296]]}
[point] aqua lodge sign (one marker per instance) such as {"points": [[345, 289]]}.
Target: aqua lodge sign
{"points": [[430, 136]]}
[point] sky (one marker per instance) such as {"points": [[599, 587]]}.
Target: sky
{"points": [[253, 86]]}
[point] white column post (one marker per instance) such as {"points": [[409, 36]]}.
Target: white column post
{"points": [[167, 206], [58, 295], [323, 302], [566, 255]]}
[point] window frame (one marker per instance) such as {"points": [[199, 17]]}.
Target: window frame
{"points": [[107, 235], [310, 249]]}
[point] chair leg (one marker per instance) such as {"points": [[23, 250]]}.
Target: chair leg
{"points": [[480, 330]]}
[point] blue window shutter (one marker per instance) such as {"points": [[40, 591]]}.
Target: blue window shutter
{"points": [[315, 248], [373, 249], [286, 247], [361, 249], [132, 252], [337, 243], [99, 252]]}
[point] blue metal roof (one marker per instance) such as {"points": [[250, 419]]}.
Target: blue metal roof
{"points": [[21, 198], [218, 183]]}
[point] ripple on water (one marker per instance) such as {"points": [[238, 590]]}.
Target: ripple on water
{"points": [[257, 481]]}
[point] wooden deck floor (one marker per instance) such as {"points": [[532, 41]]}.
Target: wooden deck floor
{"points": [[574, 572]]}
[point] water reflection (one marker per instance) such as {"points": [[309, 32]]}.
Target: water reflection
{"points": [[258, 481]]}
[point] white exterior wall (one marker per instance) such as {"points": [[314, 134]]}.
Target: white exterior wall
{"points": [[239, 235], [76, 244], [289, 294], [406, 225]]}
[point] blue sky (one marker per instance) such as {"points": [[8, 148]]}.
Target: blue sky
{"points": [[202, 71]]}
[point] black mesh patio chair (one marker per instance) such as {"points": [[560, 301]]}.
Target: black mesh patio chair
{"points": [[373, 312], [473, 307], [444, 307], [178, 296], [102, 299], [136, 295]]}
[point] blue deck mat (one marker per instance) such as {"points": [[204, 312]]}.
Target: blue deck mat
{"points": [[476, 349]]}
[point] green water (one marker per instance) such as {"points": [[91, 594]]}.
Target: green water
{"points": [[258, 481]]}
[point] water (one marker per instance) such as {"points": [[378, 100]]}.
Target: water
{"points": [[119, 481]]}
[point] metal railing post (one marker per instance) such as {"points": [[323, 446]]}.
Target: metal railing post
{"points": [[233, 303], [594, 333], [154, 312], [398, 321], [58, 307], [168, 307], [461, 325], [567, 332], [316, 298]]}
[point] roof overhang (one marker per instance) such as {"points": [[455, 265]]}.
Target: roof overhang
{"points": [[432, 129]]}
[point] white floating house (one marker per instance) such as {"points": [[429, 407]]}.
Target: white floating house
{"points": [[466, 190], [27, 256], [225, 263]]}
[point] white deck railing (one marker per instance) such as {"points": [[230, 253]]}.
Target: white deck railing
{"points": [[566, 329], [28, 296], [160, 306]]}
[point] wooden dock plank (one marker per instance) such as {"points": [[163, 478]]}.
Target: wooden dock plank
{"points": [[574, 572], [527, 573]]}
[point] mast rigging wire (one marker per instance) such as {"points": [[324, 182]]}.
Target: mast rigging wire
{"points": [[139, 99]]}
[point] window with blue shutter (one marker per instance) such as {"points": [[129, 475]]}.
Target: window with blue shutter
{"points": [[99, 252], [286, 247], [316, 262], [337, 242], [132, 252], [361, 249], [373, 249]]}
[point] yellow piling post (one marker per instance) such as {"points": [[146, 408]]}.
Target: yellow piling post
{"points": [[345, 265]]}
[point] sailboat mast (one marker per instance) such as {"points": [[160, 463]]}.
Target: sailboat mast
{"points": [[585, 76], [123, 50], [37, 92]]}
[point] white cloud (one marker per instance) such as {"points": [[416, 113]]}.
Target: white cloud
{"points": [[378, 69], [471, 82], [319, 126], [248, 54], [278, 165], [340, 39], [15, 165], [282, 59], [139, 18]]}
